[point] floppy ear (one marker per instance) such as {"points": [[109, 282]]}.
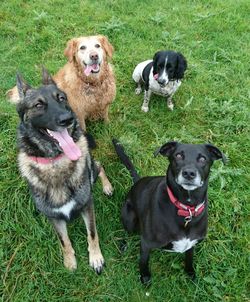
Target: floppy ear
{"points": [[109, 49], [181, 66], [166, 149], [215, 153], [22, 86], [46, 77], [155, 58], [70, 49]]}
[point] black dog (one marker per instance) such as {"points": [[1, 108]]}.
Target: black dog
{"points": [[54, 158], [162, 76], [170, 211]]}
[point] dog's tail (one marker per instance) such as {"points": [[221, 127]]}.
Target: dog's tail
{"points": [[125, 159]]}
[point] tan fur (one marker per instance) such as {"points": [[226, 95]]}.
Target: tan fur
{"points": [[56, 172], [88, 96]]}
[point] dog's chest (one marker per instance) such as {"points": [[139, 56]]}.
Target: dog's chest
{"points": [[181, 246]]}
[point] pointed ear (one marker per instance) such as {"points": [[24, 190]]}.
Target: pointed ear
{"points": [[215, 153], [46, 77], [22, 86], [181, 66], [70, 49], [166, 149], [106, 45]]}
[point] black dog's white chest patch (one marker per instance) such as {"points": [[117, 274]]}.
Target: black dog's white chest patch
{"points": [[180, 246]]}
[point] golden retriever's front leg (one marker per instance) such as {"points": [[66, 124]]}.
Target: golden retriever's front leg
{"points": [[106, 114], [96, 259], [68, 251]]}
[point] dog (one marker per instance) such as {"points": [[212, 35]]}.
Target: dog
{"points": [[171, 211], [87, 78], [162, 76], [55, 160]]}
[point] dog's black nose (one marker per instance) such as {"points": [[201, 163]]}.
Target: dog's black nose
{"points": [[189, 174], [161, 81], [65, 119], [94, 56]]}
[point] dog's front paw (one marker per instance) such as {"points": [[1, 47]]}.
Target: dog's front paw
{"points": [[96, 261], [170, 106], [108, 189], [144, 108], [145, 280], [138, 90], [191, 274], [70, 262]]}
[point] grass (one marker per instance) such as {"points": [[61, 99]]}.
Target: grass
{"points": [[211, 105]]}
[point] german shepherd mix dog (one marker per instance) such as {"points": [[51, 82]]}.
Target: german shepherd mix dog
{"points": [[55, 159], [170, 211]]}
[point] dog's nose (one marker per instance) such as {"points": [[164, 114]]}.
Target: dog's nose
{"points": [[189, 173], [161, 81], [93, 56], [65, 119]]}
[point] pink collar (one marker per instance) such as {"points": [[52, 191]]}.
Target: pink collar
{"points": [[186, 211], [46, 160]]}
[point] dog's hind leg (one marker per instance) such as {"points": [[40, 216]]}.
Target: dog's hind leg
{"points": [[96, 259], [106, 185], [129, 218], [68, 251], [145, 275]]}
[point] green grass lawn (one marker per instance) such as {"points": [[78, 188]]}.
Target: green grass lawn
{"points": [[212, 105]]}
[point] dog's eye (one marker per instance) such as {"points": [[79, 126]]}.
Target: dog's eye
{"points": [[39, 105], [202, 159], [97, 45], [60, 98], [83, 47], [179, 156]]}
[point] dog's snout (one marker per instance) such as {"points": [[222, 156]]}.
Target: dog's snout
{"points": [[93, 56], [189, 174], [161, 81], [65, 119]]}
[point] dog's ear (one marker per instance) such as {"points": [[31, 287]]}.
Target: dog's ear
{"points": [[166, 149], [70, 49], [46, 77], [107, 46], [22, 86], [215, 153], [155, 59], [181, 66]]}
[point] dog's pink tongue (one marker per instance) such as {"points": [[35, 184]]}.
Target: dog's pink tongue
{"points": [[71, 150], [89, 68]]}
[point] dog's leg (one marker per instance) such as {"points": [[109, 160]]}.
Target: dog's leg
{"points": [[96, 259], [144, 264], [68, 251], [106, 185], [138, 89], [189, 263], [170, 103], [106, 114], [147, 95]]}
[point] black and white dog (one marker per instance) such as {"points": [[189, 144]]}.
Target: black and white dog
{"points": [[162, 76], [171, 211]]}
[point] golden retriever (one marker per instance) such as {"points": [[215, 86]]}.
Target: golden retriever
{"points": [[87, 78]]}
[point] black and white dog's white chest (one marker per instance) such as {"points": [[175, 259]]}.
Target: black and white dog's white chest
{"points": [[181, 245]]}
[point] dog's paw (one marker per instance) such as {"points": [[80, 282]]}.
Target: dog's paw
{"points": [[138, 90], [144, 109], [146, 280], [96, 261], [70, 262], [170, 105], [191, 274], [108, 189]]}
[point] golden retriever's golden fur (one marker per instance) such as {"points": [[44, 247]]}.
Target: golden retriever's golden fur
{"points": [[89, 93]]}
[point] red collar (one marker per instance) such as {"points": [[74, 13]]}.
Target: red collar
{"points": [[46, 160], [186, 211]]}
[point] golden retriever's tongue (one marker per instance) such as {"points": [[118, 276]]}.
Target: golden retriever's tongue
{"points": [[89, 68], [71, 150]]}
